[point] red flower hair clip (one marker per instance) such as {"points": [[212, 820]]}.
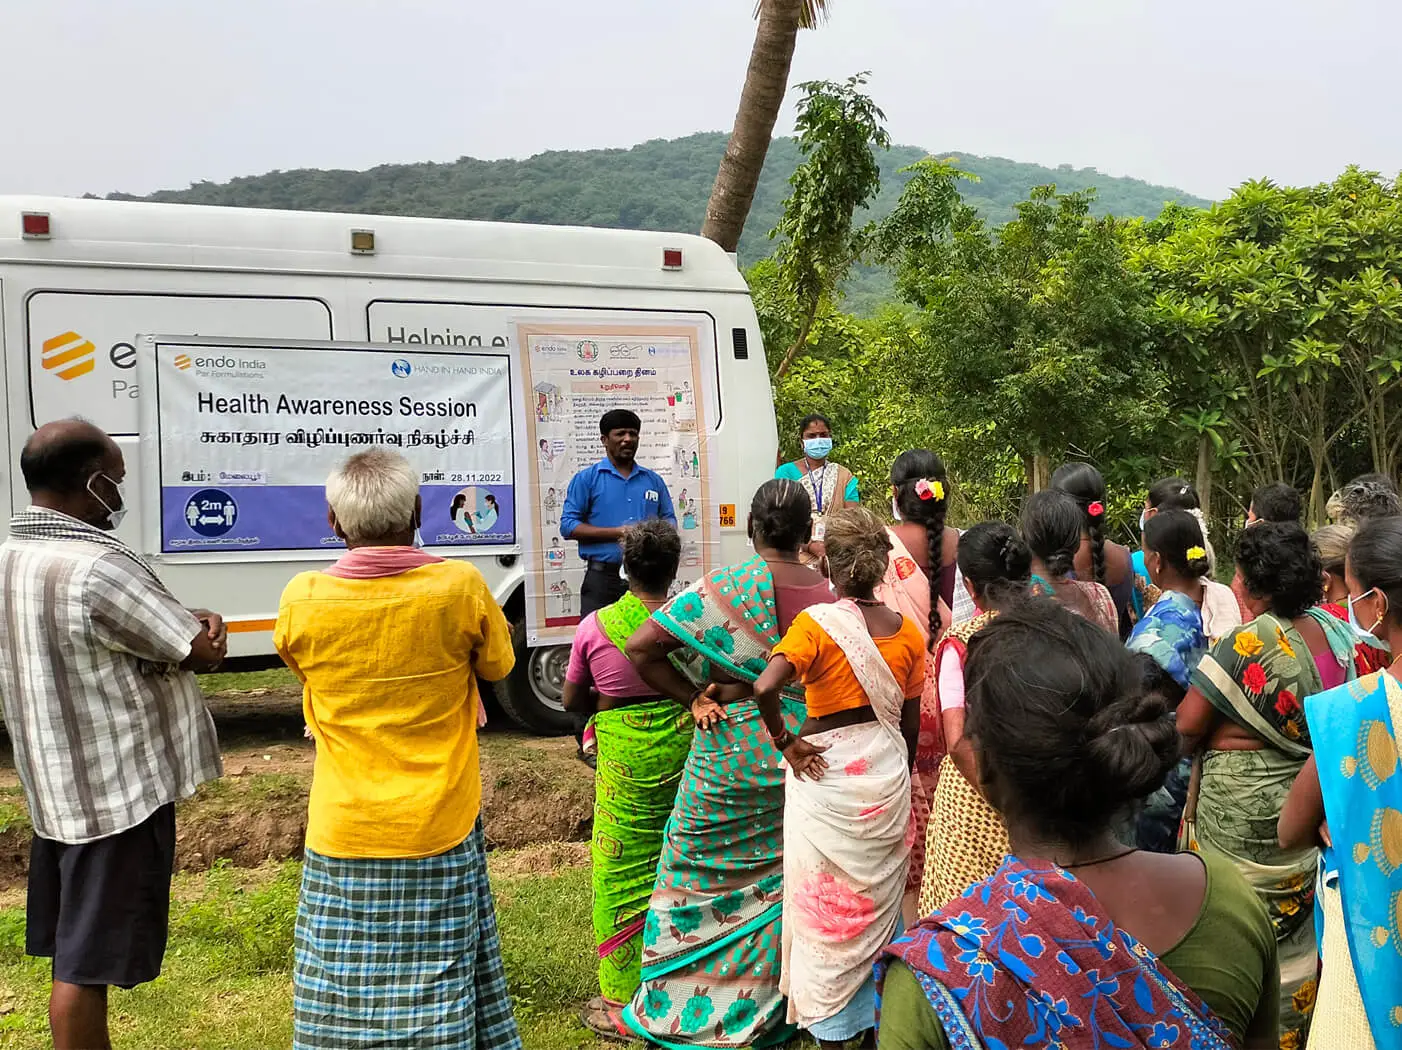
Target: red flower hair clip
{"points": [[929, 490], [1096, 509]]}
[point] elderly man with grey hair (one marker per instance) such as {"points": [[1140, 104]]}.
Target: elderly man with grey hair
{"points": [[396, 934]]}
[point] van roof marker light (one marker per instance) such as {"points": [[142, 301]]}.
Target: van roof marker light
{"points": [[35, 225]]}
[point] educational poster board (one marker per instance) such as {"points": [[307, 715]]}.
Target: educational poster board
{"points": [[243, 437], [571, 374]]}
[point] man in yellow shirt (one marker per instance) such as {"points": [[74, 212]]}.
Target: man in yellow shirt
{"points": [[396, 933]]}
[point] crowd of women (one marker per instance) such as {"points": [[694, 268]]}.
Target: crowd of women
{"points": [[1027, 786]]}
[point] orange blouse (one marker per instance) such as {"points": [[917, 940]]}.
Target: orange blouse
{"points": [[829, 684]]}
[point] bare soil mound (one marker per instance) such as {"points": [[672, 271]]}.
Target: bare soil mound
{"points": [[534, 791]]}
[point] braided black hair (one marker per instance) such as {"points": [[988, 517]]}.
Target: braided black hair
{"points": [[1086, 486], [1051, 525], [906, 474], [781, 514]]}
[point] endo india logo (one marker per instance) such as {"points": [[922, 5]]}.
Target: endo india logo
{"points": [[401, 368], [69, 355]]}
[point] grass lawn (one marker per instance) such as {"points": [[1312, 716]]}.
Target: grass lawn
{"points": [[227, 980], [273, 678]]}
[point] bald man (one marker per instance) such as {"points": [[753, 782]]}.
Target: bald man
{"points": [[109, 725]]}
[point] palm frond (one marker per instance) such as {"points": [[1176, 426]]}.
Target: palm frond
{"points": [[812, 13]]}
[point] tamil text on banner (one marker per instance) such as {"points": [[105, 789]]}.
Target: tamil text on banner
{"points": [[246, 436], [571, 374]]}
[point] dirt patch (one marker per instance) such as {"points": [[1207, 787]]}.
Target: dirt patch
{"points": [[246, 819], [535, 793], [539, 860], [14, 854]]}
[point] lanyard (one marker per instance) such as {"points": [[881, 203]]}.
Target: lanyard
{"points": [[818, 488]]}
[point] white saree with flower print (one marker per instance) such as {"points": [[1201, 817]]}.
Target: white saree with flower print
{"points": [[845, 846]]}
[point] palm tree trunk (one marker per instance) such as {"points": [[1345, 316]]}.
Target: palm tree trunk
{"points": [[766, 81]]}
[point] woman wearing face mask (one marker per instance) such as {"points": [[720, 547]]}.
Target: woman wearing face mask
{"points": [[1348, 799], [830, 485], [1332, 544]]}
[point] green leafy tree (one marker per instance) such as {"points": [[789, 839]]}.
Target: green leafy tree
{"points": [[1280, 316], [1034, 332], [839, 130]]}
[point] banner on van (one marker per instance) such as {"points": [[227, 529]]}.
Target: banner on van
{"points": [[244, 438], [572, 373]]}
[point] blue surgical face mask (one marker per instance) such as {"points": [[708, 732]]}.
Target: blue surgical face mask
{"points": [[817, 448], [1365, 634]]}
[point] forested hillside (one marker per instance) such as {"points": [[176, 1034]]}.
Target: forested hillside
{"points": [[660, 185]]}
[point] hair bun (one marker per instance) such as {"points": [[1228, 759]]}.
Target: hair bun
{"points": [[1132, 744]]}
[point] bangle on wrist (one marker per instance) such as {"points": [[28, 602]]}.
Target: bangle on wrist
{"points": [[782, 739]]}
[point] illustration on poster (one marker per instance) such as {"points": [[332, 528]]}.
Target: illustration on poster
{"points": [[555, 554], [650, 370], [549, 402], [475, 511], [211, 512]]}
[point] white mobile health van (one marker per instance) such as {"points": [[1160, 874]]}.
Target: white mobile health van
{"points": [[508, 342]]}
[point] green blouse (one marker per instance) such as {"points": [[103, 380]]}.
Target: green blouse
{"points": [[1228, 957]]}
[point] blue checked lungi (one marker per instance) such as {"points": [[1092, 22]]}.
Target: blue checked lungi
{"points": [[400, 953]]}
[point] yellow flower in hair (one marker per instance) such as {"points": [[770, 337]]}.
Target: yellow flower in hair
{"points": [[1196, 553], [938, 488]]}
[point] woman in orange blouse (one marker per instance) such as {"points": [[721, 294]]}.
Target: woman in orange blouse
{"points": [[847, 792]]}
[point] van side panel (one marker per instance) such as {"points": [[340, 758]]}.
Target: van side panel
{"points": [[109, 306]]}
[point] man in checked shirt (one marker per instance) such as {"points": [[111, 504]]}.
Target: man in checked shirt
{"points": [[108, 723]]}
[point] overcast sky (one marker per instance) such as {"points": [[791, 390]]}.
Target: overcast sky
{"points": [[1200, 94]]}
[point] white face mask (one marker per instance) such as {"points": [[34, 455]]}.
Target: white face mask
{"points": [[1365, 634], [114, 514], [896, 509]]}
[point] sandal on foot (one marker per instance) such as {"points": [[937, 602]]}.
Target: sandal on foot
{"points": [[605, 1021]]}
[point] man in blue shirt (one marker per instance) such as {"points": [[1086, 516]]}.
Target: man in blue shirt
{"points": [[602, 499]]}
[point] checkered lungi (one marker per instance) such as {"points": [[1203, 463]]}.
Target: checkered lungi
{"points": [[400, 953]]}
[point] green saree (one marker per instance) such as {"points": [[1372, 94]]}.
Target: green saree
{"points": [[711, 944], [642, 748], [1258, 676]]}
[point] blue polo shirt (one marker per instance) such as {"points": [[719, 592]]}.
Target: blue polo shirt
{"points": [[600, 495]]}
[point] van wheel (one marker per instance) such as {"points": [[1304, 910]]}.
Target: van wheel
{"points": [[532, 696]]}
